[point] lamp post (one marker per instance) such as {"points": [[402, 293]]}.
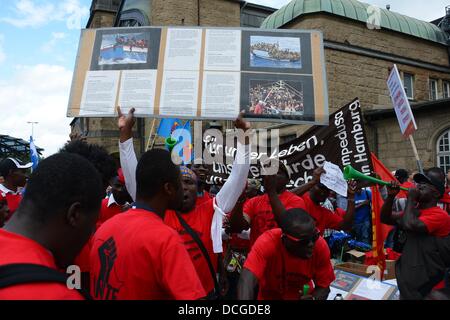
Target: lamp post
{"points": [[32, 127]]}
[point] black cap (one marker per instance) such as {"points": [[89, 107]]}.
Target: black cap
{"points": [[401, 174], [11, 164], [429, 179]]}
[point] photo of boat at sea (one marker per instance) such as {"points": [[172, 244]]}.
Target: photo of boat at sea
{"points": [[123, 49], [275, 52]]}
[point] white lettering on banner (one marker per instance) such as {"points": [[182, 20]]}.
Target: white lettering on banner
{"points": [[357, 131]]}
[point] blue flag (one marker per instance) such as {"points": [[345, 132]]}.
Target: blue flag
{"points": [[167, 126], [184, 144], [33, 154]]}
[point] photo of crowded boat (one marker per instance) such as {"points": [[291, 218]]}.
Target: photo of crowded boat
{"points": [[275, 52], [123, 49], [276, 98]]}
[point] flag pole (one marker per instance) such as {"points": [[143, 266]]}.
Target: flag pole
{"points": [[150, 135], [416, 154]]}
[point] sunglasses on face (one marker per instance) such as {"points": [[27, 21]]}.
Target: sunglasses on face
{"points": [[304, 240]]}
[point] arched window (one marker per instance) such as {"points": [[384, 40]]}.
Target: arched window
{"points": [[443, 151]]}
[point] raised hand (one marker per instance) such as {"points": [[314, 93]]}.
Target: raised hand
{"points": [[240, 123], [317, 173], [393, 188], [125, 122]]}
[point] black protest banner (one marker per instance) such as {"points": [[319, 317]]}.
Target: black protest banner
{"points": [[343, 142]]}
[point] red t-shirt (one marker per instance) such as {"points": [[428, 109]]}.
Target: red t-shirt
{"points": [[135, 256], [203, 198], [107, 212], [402, 193], [13, 200], [436, 220], [281, 275], [15, 248], [259, 210], [325, 219], [200, 220]]}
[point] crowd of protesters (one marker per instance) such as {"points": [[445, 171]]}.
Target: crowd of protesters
{"points": [[154, 230]]}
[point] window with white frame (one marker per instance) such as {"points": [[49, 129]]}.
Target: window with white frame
{"points": [[443, 151], [433, 89], [446, 89], [408, 83]]}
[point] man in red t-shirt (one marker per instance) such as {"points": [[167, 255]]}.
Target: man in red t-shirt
{"points": [[201, 170], [203, 218], [119, 200], [257, 213], [283, 261], [315, 193], [135, 255], [50, 227], [421, 215], [15, 177]]}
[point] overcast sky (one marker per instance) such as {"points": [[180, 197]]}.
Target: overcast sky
{"points": [[38, 46]]}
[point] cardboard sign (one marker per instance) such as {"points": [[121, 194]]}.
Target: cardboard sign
{"points": [[201, 73], [401, 104]]}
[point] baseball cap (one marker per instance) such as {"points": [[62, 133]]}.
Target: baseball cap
{"points": [[429, 179], [8, 164]]}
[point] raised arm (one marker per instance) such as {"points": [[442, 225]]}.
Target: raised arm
{"points": [[270, 183], [307, 186], [128, 159], [410, 220], [235, 184], [387, 216]]}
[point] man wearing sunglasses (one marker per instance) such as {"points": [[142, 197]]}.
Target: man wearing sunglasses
{"points": [[285, 260]]}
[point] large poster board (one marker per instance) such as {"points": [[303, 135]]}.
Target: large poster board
{"points": [[201, 73]]}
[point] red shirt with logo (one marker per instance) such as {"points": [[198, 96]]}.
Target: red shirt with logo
{"points": [[436, 220], [325, 219], [281, 275], [135, 256], [200, 220], [14, 249], [259, 210]]}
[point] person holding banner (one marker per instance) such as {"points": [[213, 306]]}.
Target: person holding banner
{"points": [[199, 224]]}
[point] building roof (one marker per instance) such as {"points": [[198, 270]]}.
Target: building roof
{"points": [[355, 10], [415, 107], [15, 147]]}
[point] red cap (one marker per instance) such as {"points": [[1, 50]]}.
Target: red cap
{"points": [[120, 176]]}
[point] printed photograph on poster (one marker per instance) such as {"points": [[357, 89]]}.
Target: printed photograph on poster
{"points": [[123, 48], [277, 96], [274, 98], [345, 281], [275, 52], [126, 49]]}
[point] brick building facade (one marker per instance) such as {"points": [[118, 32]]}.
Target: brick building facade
{"points": [[358, 61]]}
